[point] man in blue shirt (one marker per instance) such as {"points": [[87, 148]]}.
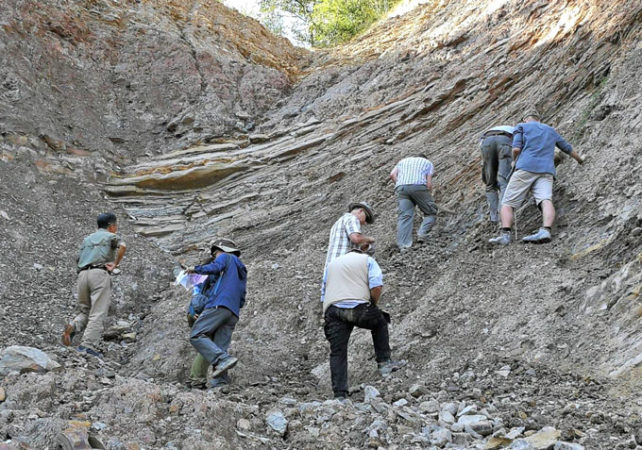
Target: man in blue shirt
{"points": [[225, 288], [534, 151], [351, 289], [413, 182]]}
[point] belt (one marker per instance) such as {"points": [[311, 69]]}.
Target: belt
{"points": [[497, 133], [91, 266]]}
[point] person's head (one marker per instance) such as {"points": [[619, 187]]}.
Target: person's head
{"points": [[421, 155], [223, 245], [531, 115], [362, 211], [107, 221]]}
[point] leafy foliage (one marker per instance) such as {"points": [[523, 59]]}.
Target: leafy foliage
{"points": [[322, 23]]}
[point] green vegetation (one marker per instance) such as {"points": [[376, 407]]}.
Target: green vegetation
{"points": [[323, 23]]}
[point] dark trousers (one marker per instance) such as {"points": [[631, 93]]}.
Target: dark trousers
{"points": [[339, 323], [212, 333]]}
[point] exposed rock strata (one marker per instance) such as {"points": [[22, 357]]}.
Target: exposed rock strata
{"points": [[513, 340]]}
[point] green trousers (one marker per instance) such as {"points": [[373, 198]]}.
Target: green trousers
{"points": [[198, 373]]}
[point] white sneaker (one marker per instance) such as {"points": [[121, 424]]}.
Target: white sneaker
{"points": [[503, 239]]}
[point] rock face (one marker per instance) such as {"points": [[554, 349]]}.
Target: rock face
{"points": [[144, 76], [193, 122]]}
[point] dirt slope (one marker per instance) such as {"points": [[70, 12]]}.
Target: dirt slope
{"points": [[526, 336]]}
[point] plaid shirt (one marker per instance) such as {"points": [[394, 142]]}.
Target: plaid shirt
{"points": [[340, 243], [413, 170]]}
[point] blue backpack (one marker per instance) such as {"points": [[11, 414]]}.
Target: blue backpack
{"points": [[198, 301]]}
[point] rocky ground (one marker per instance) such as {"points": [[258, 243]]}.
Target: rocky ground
{"points": [[520, 347]]}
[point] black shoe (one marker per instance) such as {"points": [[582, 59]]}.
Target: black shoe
{"points": [[89, 351]]}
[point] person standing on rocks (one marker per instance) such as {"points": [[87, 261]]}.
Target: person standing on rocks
{"points": [[346, 231], [212, 332], [101, 252], [413, 183], [497, 158], [351, 290], [534, 152]]}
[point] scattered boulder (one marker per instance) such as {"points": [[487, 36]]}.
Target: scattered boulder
{"points": [[276, 421], [25, 359], [567, 446], [370, 393], [544, 439], [417, 390], [440, 437]]}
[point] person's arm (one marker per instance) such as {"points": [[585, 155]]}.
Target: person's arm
{"points": [[122, 248], [353, 230], [561, 143], [359, 239], [375, 280], [375, 295], [577, 157], [518, 142], [213, 268], [429, 182], [323, 283], [394, 174]]}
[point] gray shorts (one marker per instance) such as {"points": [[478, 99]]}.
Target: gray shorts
{"points": [[522, 181]]}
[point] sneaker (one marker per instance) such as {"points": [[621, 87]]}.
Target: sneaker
{"points": [[224, 365], [68, 334], [541, 237], [421, 238], [89, 351], [503, 239], [387, 367]]}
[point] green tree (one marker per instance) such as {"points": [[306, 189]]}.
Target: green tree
{"points": [[296, 13], [336, 21], [322, 23]]}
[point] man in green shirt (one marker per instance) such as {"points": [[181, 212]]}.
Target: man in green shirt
{"points": [[100, 254]]}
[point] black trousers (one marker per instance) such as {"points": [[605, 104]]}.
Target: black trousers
{"points": [[339, 323]]}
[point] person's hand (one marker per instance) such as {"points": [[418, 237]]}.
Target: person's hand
{"points": [[189, 269], [581, 159], [110, 267]]}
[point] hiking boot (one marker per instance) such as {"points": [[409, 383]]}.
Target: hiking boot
{"points": [[503, 239], [89, 351], [217, 383], [192, 384], [387, 367], [541, 237], [68, 334], [224, 365]]}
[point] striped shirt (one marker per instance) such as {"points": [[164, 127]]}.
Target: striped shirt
{"points": [[339, 243], [413, 170]]}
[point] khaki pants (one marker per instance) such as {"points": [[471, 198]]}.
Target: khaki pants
{"points": [[94, 297], [522, 181]]}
